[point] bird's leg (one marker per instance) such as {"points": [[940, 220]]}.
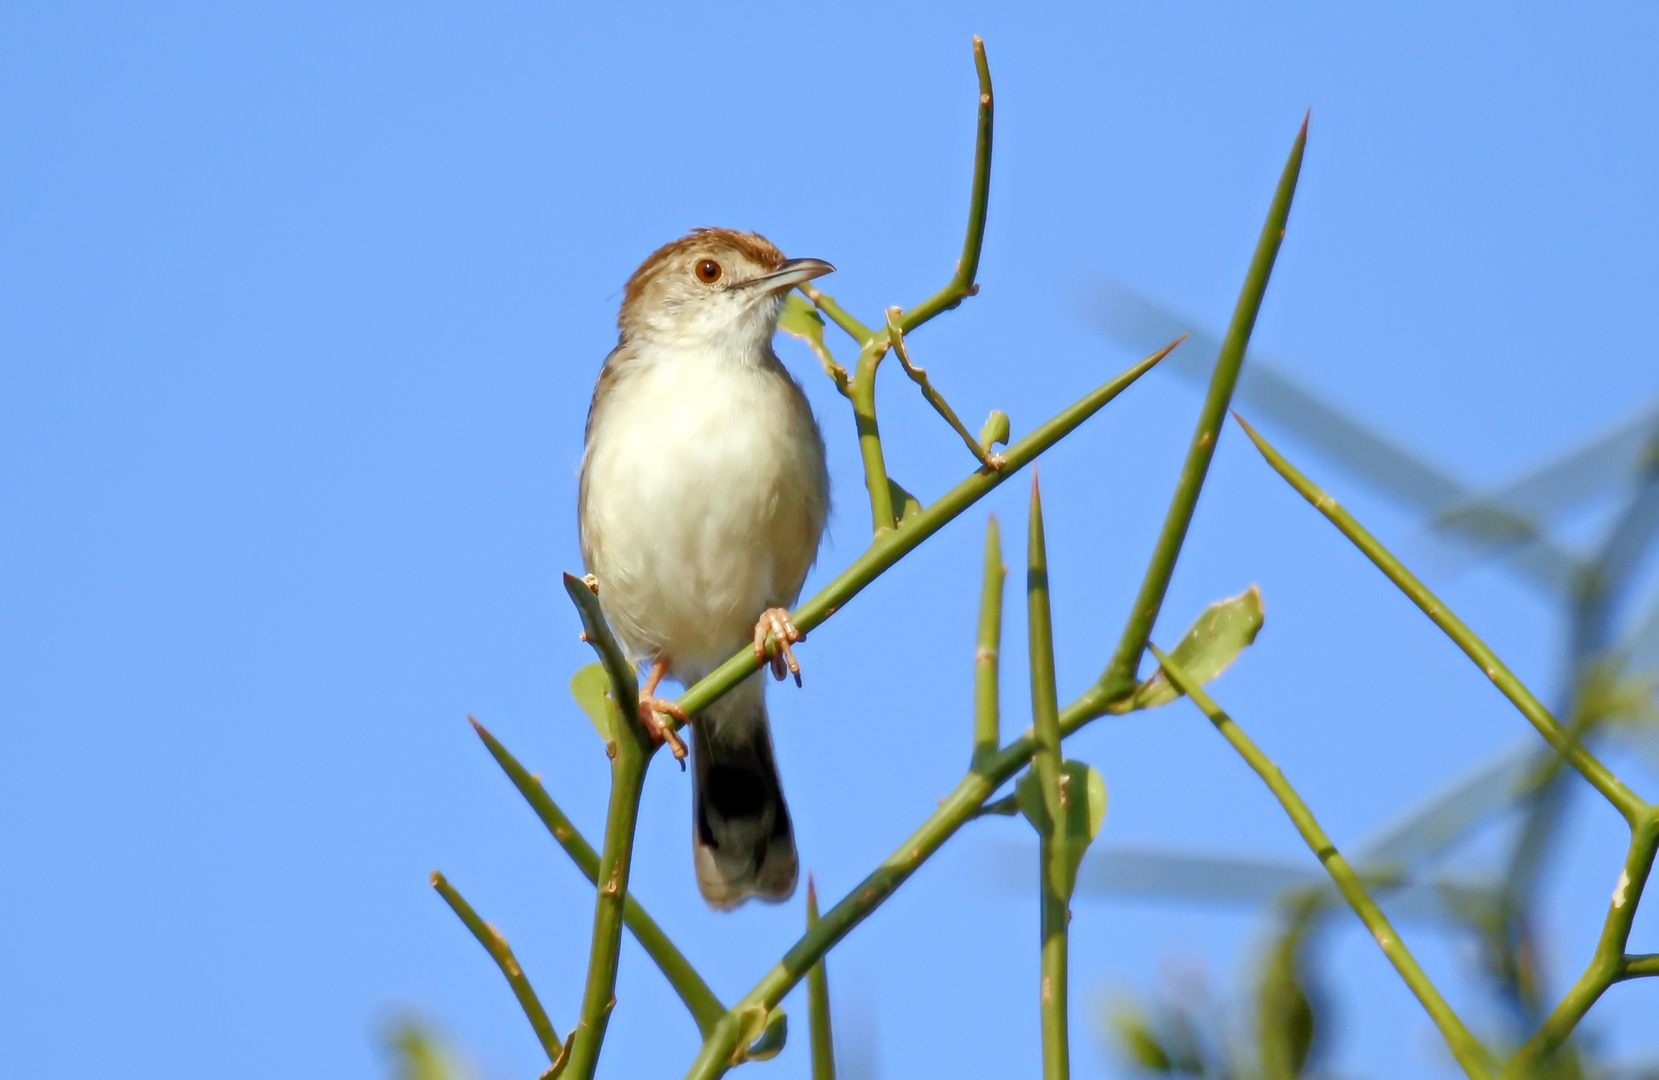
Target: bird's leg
{"points": [[650, 705], [774, 623]]}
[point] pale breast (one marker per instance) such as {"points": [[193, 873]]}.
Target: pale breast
{"points": [[704, 493]]}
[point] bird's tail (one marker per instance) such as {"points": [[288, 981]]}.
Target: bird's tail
{"points": [[741, 836]]}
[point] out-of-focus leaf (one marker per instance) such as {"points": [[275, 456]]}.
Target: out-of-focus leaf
{"points": [[905, 505], [1133, 319], [1612, 696], [800, 319], [1180, 1032], [1084, 814], [1231, 879], [591, 688], [995, 431], [1642, 644], [1137, 1040], [1287, 1016], [1448, 815], [1209, 647], [1168, 874], [1611, 458], [416, 1053], [1163, 1040]]}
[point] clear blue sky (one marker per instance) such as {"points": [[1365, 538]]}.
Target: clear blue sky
{"points": [[300, 309]]}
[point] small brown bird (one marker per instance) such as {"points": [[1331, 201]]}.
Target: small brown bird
{"points": [[703, 497]]}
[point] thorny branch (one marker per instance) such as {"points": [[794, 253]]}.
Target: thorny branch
{"points": [[754, 1027]]}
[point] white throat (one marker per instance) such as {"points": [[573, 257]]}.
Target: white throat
{"points": [[727, 326]]}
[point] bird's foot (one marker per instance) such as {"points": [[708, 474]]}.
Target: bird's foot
{"points": [[774, 633], [652, 709]]}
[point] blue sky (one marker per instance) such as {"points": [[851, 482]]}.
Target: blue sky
{"points": [[300, 309]]}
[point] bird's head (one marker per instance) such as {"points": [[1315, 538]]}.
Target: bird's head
{"points": [[715, 288]]}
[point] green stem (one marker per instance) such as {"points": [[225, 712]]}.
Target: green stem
{"points": [[1054, 868], [634, 747], [863, 394], [1542, 790], [965, 803], [1053, 995], [502, 954], [1608, 964], [1045, 704], [1468, 1051], [1118, 680], [873, 345], [597, 633], [918, 376], [1639, 965], [966, 800], [961, 285], [1515, 960], [1622, 798], [837, 314], [892, 546], [1007, 806], [987, 704], [817, 998], [704, 1006], [715, 1057], [1596, 588]]}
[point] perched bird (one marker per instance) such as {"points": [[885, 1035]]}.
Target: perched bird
{"points": [[703, 497]]}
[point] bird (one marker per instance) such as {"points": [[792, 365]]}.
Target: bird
{"points": [[702, 501]]}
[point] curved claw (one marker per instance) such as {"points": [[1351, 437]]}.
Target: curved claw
{"points": [[651, 711], [774, 623]]}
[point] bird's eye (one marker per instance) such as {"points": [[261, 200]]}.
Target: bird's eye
{"points": [[708, 271]]}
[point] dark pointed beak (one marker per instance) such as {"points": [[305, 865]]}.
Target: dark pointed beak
{"points": [[791, 272]]}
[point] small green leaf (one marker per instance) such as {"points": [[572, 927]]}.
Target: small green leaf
{"points": [[801, 320], [1094, 808], [905, 505], [591, 688], [1085, 793], [772, 1037], [1028, 793], [1210, 646], [995, 431], [555, 1070], [761, 1033]]}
